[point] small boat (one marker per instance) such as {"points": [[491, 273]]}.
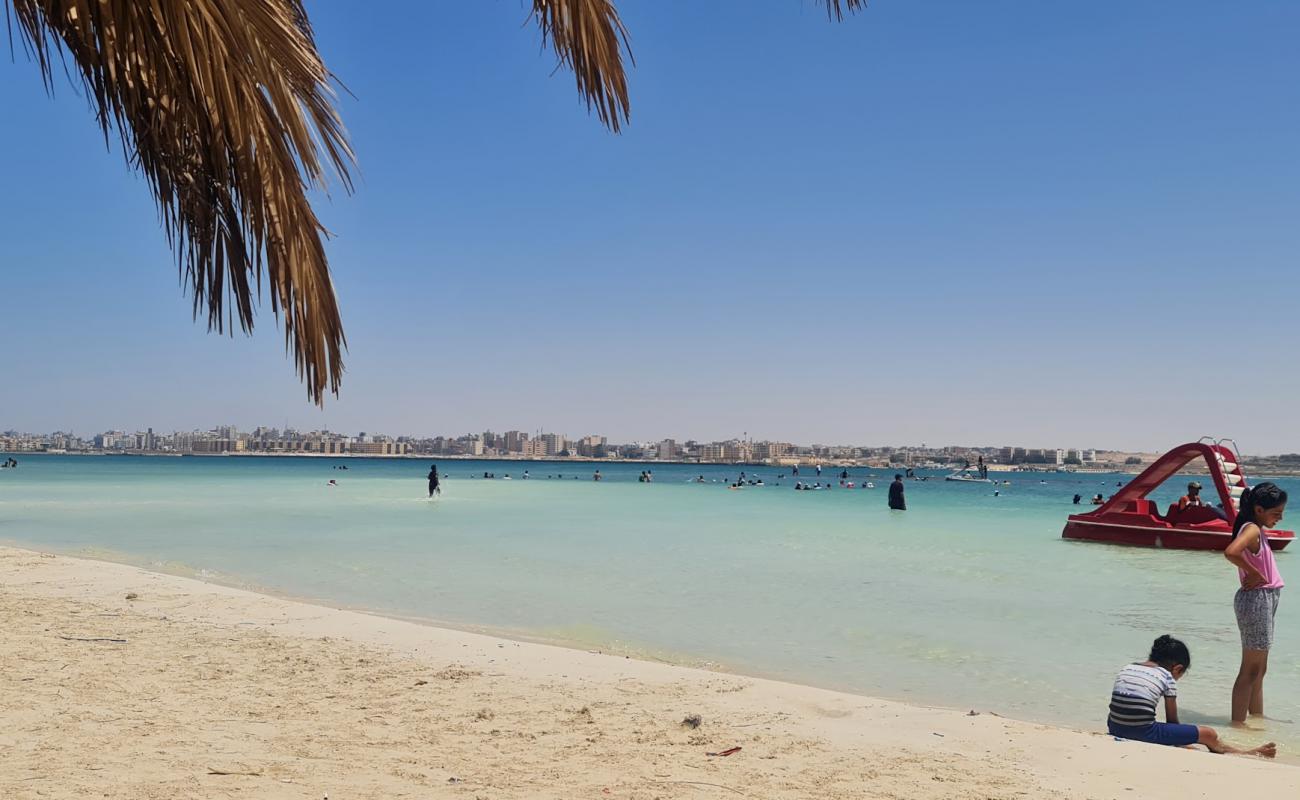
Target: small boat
{"points": [[1128, 517], [965, 476]]}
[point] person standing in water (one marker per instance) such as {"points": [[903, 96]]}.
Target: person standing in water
{"points": [[896, 500], [434, 487], [1261, 508]]}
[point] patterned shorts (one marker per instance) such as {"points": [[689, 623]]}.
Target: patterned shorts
{"points": [[1255, 611]]}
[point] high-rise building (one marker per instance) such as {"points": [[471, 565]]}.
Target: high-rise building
{"points": [[553, 443], [378, 448], [667, 449], [515, 441], [534, 448], [768, 450]]}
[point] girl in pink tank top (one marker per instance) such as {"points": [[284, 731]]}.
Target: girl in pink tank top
{"points": [[1256, 602]]}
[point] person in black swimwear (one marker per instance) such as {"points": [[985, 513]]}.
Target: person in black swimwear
{"points": [[434, 487], [896, 500]]}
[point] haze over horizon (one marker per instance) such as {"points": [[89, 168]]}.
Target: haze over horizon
{"points": [[940, 222]]}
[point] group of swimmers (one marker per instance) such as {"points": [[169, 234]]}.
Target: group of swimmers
{"points": [[896, 499], [9, 463], [332, 482], [808, 487], [1142, 686]]}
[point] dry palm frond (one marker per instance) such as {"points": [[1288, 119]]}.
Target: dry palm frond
{"points": [[589, 38], [835, 8], [226, 108]]}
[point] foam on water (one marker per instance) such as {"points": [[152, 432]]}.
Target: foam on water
{"points": [[967, 600]]}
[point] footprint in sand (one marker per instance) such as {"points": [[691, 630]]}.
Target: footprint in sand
{"points": [[832, 713]]}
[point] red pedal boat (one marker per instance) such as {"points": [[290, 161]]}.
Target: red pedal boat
{"points": [[1128, 517]]}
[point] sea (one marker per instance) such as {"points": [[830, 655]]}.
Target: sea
{"points": [[970, 599]]}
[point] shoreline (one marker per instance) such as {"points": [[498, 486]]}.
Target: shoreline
{"points": [[1264, 470], [1261, 471], [313, 700], [516, 458], [183, 571]]}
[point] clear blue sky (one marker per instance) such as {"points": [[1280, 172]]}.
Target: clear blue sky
{"points": [[973, 222]]}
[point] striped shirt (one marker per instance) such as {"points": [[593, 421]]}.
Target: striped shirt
{"points": [[1138, 690]]}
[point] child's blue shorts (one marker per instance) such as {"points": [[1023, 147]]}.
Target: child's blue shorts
{"points": [[1172, 734]]}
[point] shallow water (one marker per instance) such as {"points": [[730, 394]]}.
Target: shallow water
{"points": [[966, 600]]}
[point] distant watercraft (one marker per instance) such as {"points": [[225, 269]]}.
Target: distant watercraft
{"points": [[965, 476], [1128, 517]]}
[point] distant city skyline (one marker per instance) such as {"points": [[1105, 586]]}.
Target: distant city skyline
{"points": [[372, 431], [934, 222], [546, 446], [513, 442]]}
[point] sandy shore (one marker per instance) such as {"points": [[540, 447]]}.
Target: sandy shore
{"points": [[192, 690]]}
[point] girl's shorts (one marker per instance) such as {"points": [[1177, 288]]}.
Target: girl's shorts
{"points": [[1255, 611], [1167, 733]]}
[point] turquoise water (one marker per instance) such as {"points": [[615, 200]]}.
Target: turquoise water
{"points": [[967, 600]]}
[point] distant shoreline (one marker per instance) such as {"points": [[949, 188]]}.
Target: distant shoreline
{"points": [[828, 464], [1192, 469]]}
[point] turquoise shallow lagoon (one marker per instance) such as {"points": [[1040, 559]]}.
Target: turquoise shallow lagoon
{"points": [[967, 600]]}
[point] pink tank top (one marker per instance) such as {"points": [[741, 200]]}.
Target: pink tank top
{"points": [[1262, 561]]}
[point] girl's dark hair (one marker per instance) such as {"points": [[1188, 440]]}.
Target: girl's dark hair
{"points": [[1260, 496], [1168, 651]]}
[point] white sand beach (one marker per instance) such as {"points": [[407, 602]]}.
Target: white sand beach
{"points": [[193, 690]]}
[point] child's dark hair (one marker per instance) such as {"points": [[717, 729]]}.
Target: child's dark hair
{"points": [[1168, 651], [1263, 495]]}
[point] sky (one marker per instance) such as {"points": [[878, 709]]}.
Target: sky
{"points": [[940, 221]]}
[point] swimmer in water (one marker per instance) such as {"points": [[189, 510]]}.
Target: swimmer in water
{"points": [[434, 486]]}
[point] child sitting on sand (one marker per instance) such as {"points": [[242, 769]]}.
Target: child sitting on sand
{"points": [[1140, 687]]}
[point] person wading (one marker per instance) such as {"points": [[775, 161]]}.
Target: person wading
{"points": [[896, 500]]}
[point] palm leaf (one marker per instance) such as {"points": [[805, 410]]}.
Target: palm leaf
{"points": [[589, 38], [226, 107], [835, 8]]}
